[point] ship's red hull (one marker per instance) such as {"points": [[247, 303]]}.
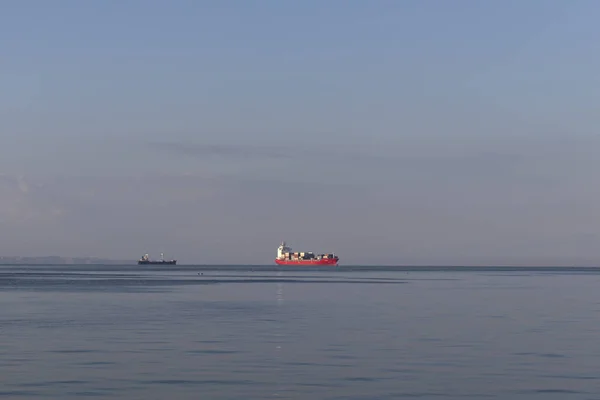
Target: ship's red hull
{"points": [[323, 261]]}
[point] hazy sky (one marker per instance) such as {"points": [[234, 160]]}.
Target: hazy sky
{"points": [[392, 132]]}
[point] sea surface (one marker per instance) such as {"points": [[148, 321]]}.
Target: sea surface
{"points": [[191, 332]]}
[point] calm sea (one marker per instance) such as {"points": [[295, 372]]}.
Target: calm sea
{"points": [[257, 333]]}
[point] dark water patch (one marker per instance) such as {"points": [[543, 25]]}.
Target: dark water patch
{"points": [[343, 357], [61, 324], [315, 364], [88, 393], [213, 352], [73, 351], [53, 383], [319, 385], [14, 321], [409, 395], [573, 377], [337, 365], [296, 281], [458, 346], [96, 363], [18, 360], [552, 355], [185, 382], [149, 342], [42, 288], [301, 364], [362, 379], [157, 349], [223, 308], [20, 393], [66, 275], [7, 364], [417, 395], [309, 277], [404, 373], [550, 391]]}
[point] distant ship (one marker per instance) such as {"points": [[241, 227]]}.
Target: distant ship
{"points": [[285, 256], [146, 260]]}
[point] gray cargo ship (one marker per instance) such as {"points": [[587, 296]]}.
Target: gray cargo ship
{"points": [[146, 260]]}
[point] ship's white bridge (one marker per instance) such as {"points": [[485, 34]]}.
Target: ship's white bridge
{"points": [[282, 249]]}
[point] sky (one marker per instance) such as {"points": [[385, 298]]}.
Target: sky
{"points": [[390, 132]]}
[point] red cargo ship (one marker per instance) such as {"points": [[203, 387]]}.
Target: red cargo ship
{"points": [[285, 256]]}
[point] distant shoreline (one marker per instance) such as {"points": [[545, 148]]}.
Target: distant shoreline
{"points": [[57, 260]]}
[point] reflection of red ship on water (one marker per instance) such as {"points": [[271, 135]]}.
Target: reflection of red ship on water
{"points": [[285, 256]]}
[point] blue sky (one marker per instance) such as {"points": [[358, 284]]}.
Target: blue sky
{"points": [[394, 132]]}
